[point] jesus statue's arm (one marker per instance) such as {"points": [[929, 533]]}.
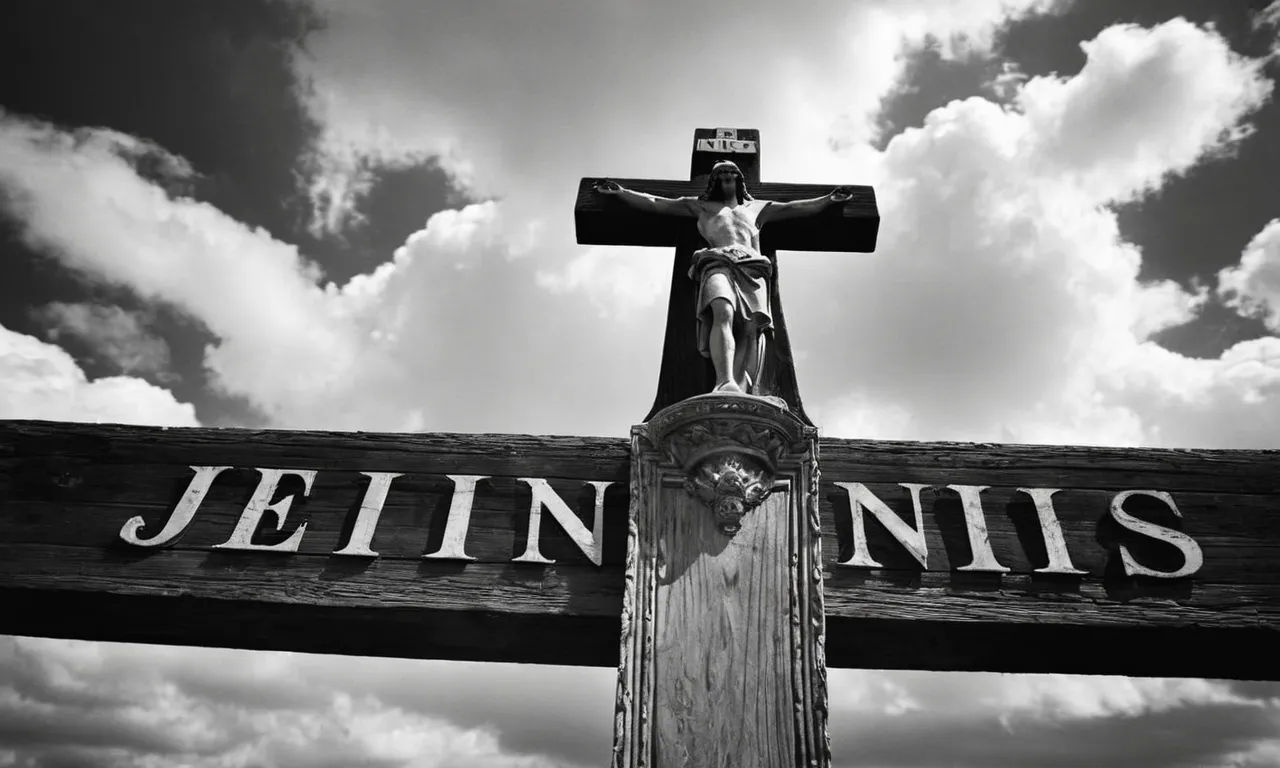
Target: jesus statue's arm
{"points": [[675, 206], [794, 209]]}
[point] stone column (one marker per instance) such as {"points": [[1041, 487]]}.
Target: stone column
{"points": [[722, 662]]}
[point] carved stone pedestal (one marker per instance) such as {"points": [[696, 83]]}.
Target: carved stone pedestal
{"points": [[722, 625]]}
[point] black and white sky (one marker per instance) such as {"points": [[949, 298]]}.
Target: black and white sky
{"points": [[357, 215]]}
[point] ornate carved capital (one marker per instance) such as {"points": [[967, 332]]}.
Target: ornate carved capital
{"points": [[729, 447]]}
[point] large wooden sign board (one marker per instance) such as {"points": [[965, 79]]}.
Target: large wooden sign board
{"points": [[68, 491]]}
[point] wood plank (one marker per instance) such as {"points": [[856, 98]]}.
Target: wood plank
{"points": [[849, 228], [1227, 471], [720, 624], [387, 607], [66, 490], [1217, 631], [569, 616]]}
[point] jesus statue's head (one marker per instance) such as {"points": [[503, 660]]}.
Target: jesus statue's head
{"points": [[724, 182]]}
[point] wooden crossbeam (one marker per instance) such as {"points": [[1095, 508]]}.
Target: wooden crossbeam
{"points": [[67, 491], [852, 227]]}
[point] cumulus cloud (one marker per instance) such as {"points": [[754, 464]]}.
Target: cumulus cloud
{"points": [[1252, 287], [1109, 127], [1003, 303], [437, 337], [521, 101], [39, 380], [79, 198]]}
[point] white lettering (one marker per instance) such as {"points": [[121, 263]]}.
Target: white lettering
{"points": [[454, 544], [1193, 558], [183, 512], [367, 518], [242, 536], [590, 542], [911, 539], [984, 560], [1054, 543]]}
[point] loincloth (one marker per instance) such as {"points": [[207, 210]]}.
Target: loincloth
{"points": [[737, 274]]}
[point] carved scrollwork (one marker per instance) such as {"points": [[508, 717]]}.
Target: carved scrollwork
{"points": [[700, 440], [730, 448]]}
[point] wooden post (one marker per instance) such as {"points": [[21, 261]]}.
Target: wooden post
{"points": [[722, 659]]}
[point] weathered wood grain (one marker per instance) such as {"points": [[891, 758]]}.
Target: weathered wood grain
{"points": [[397, 607], [722, 652], [1226, 471], [722, 640], [66, 490], [851, 227], [1027, 625]]}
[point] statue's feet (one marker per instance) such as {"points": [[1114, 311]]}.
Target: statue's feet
{"points": [[728, 388]]}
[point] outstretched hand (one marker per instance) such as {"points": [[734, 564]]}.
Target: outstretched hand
{"points": [[840, 194], [607, 187]]}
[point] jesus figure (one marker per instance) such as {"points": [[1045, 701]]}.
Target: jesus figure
{"points": [[732, 304]]}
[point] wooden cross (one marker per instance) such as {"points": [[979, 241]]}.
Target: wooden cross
{"points": [[616, 552], [723, 598], [851, 227]]}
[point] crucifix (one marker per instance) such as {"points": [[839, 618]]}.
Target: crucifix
{"points": [[770, 217], [700, 558], [723, 601]]}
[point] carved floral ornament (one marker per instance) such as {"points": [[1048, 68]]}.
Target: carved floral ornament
{"points": [[730, 448]]}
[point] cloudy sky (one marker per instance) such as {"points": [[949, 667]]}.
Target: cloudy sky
{"points": [[357, 215]]}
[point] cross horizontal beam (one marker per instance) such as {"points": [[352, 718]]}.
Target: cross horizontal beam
{"points": [[67, 491], [851, 227]]}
